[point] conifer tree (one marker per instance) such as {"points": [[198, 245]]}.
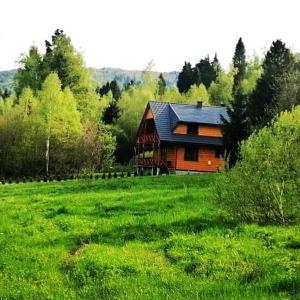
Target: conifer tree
{"points": [[267, 100], [116, 92], [161, 85], [185, 78], [235, 128], [206, 69], [239, 63]]}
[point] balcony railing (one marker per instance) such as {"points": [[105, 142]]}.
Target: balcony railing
{"points": [[147, 139]]}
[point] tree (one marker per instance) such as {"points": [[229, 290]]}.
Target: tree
{"points": [[185, 78], [235, 128], [116, 91], [216, 65], [266, 101], [207, 72], [31, 73], [253, 73], [62, 58], [161, 85], [264, 185], [60, 117], [220, 91], [197, 93], [239, 63], [112, 113]]}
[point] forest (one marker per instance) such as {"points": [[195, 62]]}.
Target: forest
{"points": [[59, 120]]}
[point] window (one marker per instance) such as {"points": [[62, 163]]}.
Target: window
{"points": [[191, 153], [192, 129], [219, 152]]}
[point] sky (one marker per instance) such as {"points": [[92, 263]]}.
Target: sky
{"points": [[129, 33]]}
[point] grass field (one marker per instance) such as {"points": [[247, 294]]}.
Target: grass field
{"points": [[138, 238]]}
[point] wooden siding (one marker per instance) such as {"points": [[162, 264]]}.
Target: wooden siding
{"points": [[171, 156], [203, 130], [206, 130], [149, 114], [180, 129], [207, 162]]}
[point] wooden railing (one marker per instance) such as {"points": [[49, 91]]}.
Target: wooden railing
{"points": [[152, 162], [148, 139]]}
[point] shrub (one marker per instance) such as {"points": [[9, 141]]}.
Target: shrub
{"points": [[264, 186]]}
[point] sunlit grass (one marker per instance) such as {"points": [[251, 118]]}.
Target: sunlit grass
{"points": [[138, 238]]}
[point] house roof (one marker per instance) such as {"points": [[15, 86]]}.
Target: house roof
{"points": [[167, 115]]}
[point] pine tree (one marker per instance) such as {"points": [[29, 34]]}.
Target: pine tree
{"points": [[161, 85], [267, 101], [235, 128], [239, 63], [185, 78]]}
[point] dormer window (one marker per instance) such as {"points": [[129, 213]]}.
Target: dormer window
{"points": [[192, 128]]}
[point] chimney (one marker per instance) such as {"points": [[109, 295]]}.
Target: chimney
{"points": [[199, 104]]}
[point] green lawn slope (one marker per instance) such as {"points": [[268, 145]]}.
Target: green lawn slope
{"points": [[138, 238]]}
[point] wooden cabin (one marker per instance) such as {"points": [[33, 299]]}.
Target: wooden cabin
{"points": [[180, 137]]}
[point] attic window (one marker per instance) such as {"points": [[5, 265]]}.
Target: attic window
{"points": [[192, 129]]}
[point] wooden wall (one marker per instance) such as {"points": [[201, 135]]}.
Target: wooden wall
{"points": [[203, 130], [207, 162]]}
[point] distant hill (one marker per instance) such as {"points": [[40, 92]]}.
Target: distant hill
{"points": [[6, 78], [101, 75]]}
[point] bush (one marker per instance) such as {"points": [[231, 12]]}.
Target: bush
{"points": [[264, 186]]}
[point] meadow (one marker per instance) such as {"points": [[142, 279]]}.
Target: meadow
{"points": [[138, 238]]}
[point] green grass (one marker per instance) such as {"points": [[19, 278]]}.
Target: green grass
{"points": [[138, 238]]}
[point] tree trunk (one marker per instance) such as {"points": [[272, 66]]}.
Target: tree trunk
{"points": [[47, 154]]}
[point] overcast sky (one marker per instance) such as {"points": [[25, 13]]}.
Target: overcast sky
{"points": [[129, 33]]}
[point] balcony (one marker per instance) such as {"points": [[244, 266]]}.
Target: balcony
{"points": [[147, 139]]}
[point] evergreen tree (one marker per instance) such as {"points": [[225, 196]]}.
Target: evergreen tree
{"points": [[216, 65], [104, 90], [207, 71], [239, 63], [161, 85], [235, 128], [116, 92], [6, 93], [197, 79], [112, 113], [267, 101], [185, 78]]}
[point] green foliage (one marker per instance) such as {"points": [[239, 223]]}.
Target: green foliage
{"points": [[197, 93], [235, 129], [264, 186], [48, 134], [185, 78], [254, 71], [220, 91], [239, 63], [138, 238], [278, 81], [161, 85], [205, 71]]}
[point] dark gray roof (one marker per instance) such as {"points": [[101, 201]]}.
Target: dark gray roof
{"points": [[167, 115]]}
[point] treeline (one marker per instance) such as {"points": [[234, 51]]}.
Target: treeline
{"points": [[51, 125], [58, 120]]}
